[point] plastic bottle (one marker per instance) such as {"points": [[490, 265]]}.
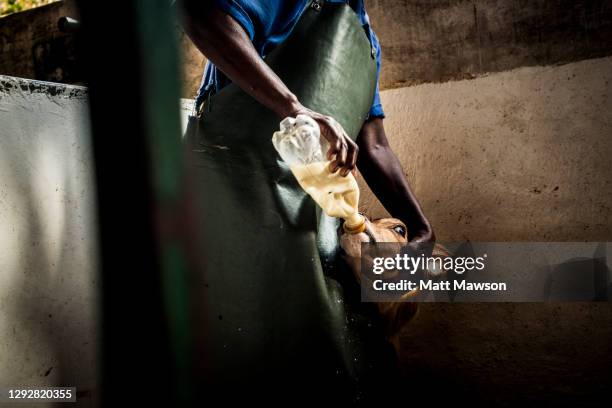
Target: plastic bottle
{"points": [[300, 145]]}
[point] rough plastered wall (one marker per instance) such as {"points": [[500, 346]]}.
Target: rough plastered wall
{"points": [[522, 155], [435, 41], [517, 155], [422, 41], [32, 46], [48, 254]]}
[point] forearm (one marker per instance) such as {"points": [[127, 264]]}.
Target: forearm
{"points": [[384, 175], [224, 42]]}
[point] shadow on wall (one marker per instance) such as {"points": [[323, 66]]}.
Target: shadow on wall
{"points": [[521, 155], [32, 46], [48, 256]]}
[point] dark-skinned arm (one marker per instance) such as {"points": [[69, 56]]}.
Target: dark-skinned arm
{"points": [[383, 172], [227, 45]]}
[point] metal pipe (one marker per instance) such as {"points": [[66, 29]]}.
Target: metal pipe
{"points": [[68, 24]]}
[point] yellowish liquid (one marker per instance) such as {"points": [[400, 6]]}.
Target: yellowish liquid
{"points": [[338, 196]]}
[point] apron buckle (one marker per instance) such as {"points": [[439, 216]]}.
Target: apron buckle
{"points": [[316, 5]]}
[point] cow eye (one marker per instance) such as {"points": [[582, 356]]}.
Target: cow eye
{"points": [[400, 230]]}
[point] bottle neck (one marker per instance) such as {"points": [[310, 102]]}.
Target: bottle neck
{"points": [[354, 224]]}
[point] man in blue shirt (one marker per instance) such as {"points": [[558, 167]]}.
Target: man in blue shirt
{"points": [[268, 25], [236, 36], [277, 312]]}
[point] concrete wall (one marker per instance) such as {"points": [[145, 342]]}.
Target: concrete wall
{"points": [[435, 41], [192, 65], [48, 254], [518, 155], [522, 155], [31, 45], [421, 41]]}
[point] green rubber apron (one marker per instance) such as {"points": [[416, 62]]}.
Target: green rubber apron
{"points": [[268, 309]]}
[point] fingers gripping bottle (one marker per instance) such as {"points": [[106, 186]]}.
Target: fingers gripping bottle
{"points": [[301, 146]]}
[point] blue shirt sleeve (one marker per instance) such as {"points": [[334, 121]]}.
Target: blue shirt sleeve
{"points": [[234, 9], [269, 22], [376, 110]]}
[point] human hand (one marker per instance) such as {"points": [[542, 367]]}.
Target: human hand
{"points": [[342, 150]]}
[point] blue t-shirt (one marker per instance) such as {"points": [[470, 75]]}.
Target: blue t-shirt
{"points": [[268, 23]]}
